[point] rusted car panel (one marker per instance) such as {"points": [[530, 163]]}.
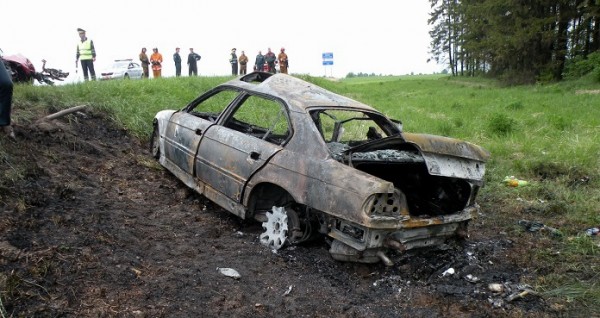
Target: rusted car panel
{"points": [[307, 161]]}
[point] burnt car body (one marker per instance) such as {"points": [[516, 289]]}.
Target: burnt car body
{"points": [[304, 161]]}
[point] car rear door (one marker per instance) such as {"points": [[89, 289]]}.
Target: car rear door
{"points": [[230, 153]]}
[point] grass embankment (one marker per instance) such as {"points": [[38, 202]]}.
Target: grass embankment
{"points": [[547, 135]]}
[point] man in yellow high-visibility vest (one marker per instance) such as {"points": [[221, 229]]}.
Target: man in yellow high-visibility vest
{"points": [[86, 53]]}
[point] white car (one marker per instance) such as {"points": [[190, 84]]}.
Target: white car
{"points": [[122, 69]]}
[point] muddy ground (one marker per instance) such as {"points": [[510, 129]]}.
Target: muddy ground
{"points": [[91, 226]]}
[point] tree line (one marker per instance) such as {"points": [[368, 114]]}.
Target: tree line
{"points": [[521, 40]]}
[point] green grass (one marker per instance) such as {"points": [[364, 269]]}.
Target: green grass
{"points": [[545, 134]]}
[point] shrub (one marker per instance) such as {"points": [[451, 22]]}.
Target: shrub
{"points": [[580, 66], [500, 124]]}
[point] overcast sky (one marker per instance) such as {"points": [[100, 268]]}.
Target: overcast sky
{"points": [[377, 36]]}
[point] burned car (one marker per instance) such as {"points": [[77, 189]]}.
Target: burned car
{"points": [[309, 162]]}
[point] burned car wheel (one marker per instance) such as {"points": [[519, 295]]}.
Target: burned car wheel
{"points": [[276, 228], [284, 227], [155, 142]]}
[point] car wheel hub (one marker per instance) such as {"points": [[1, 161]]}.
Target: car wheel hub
{"points": [[276, 229]]}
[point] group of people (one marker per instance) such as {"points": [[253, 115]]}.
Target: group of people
{"points": [[269, 59], [86, 53], [156, 60]]}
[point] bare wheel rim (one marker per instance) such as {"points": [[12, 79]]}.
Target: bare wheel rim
{"points": [[276, 229]]}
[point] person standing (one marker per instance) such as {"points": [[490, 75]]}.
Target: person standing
{"points": [[86, 53], [243, 62], [6, 94], [145, 62], [156, 59], [192, 62], [270, 58], [234, 62], [283, 61], [259, 62], [177, 60]]}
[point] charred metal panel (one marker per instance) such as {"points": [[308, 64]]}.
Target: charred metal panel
{"points": [[181, 138], [442, 165], [299, 94], [447, 146], [325, 185], [227, 158]]}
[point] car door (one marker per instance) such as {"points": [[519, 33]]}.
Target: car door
{"points": [[136, 70], [249, 136], [186, 128]]}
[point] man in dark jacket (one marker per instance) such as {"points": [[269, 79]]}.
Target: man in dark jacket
{"points": [[177, 60], [271, 58], [259, 63], [234, 62], [192, 62], [145, 63]]}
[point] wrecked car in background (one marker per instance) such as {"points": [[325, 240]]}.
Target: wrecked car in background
{"points": [[22, 70], [306, 161]]}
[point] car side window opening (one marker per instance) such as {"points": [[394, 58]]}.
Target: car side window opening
{"points": [[262, 118], [213, 106], [347, 127]]}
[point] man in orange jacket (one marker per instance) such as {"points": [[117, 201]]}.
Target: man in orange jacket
{"points": [[156, 61]]}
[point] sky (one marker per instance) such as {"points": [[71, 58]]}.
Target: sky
{"points": [[388, 37]]}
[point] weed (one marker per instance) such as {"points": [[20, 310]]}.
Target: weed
{"points": [[501, 124]]}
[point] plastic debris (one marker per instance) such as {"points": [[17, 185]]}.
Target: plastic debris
{"points": [[534, 226], [471, 279], [229, 272], [520, 294], [448, 272], [592, 231], [496, 287], [496, 303], [288, 291], [514, 182]]}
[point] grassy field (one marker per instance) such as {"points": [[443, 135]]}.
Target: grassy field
{"points": [[546, 135]]}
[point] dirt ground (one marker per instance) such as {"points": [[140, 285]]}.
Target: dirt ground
{"points": [[92, 226]]}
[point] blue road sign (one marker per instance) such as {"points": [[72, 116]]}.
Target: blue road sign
{"points": [[327, 62], [328, 56]]}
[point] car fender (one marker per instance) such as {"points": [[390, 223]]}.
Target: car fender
{"points": [[161, 119], [325, 185]]}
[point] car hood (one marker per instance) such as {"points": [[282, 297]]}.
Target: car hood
{"points": [[443, 156]]}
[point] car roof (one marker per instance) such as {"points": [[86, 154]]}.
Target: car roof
{"points": [[299, 94]]}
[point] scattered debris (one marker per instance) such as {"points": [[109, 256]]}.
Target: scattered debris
{"points": [[471, 279], [534, 226], [514, 182], [496, 287], [448, 272], [229, 272], [136, 271], [288, 291], [496, 303], [592, 231], [520, 294]]}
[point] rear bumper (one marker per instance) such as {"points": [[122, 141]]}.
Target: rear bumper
{"points": [[411, 233]]}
